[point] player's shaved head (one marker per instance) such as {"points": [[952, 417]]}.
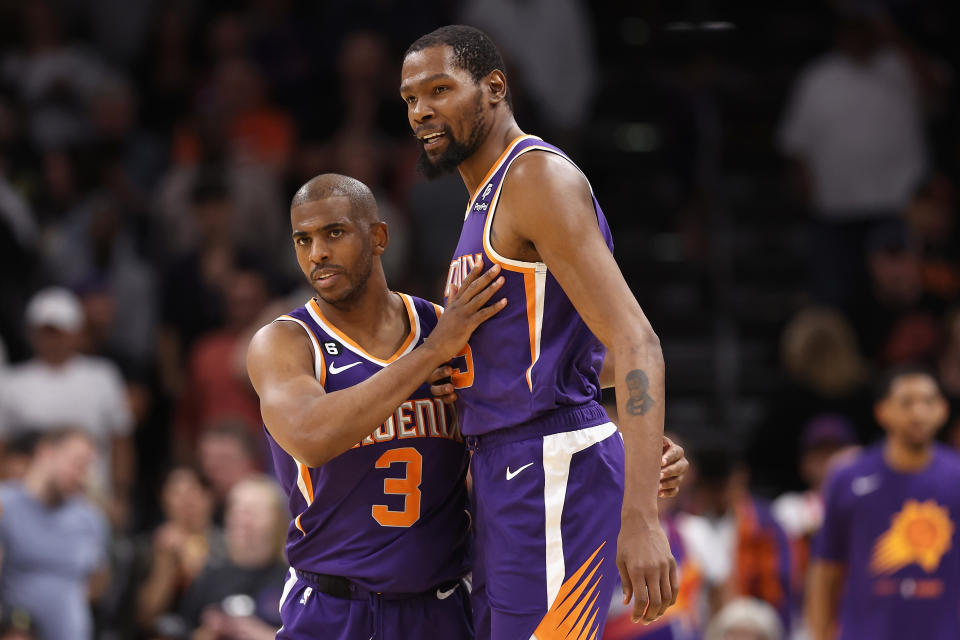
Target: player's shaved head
{"points": [[333, 185]]}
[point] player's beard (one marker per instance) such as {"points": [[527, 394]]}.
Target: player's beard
{"points": [[357, 285], [456, 151]]}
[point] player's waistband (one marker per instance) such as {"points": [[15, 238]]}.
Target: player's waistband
{"points": [[559, 420], [346, 589]]}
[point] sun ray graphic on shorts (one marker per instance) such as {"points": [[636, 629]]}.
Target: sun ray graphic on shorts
{"points": [[920, 533], [574, 612]]}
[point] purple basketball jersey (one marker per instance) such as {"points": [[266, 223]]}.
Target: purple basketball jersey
{"points": [[537, 354], [389, 514]]}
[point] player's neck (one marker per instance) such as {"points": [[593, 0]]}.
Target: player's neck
{"points": [[906, 459], [475, 168]]}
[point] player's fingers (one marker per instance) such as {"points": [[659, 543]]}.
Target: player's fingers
{"points": [[672, 454], [484, 295], [666, 592], [476, 272], [625, 584], [641, 601], [479, 283], [668, 493], [669, 484], [675, 471], [674, 582], [655, 601], [441, 390], [489, 311], [439, 374]]}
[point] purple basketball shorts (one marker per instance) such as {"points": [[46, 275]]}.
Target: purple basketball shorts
{"points": [[546, 511], [311, 615]]}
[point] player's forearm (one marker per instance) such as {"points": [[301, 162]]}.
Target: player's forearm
{"points": [[334, 422], [822, 599], [640, 405]]}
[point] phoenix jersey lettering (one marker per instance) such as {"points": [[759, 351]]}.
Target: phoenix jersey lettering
{"points": [[389, 513], [536, 355]]}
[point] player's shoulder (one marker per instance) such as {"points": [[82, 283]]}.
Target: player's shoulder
{"points": [[428, 313], [547, 167], [867, 464], [949, 460], [276, 338]]}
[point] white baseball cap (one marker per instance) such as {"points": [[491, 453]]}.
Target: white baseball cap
{"points": [[55, 307]]}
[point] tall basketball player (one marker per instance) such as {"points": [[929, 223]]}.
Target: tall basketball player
{"points": [[561, 501]]}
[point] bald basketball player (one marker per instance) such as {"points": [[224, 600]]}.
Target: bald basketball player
{"points": [[373, 465]]}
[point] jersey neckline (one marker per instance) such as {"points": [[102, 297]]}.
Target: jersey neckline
{"points": [[408, 344]]}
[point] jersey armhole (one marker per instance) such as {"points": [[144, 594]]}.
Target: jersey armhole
{"points": [[319, 367]]}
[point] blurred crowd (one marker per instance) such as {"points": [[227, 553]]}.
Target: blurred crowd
{"points": [[148, 151]]}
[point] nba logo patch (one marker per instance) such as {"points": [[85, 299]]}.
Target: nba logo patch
{"points": [[486, 191], [306, 595], [333, 348]]}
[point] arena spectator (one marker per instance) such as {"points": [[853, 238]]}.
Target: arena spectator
{"points": [[825, 375], [897, 319], [53, 78], [733, 537], [826, 441], [854, 127], [181, 546], [217, 384], [746, 619], [228, 454], [932, 218], [241, 595], [53, 539], [60, 386], [949, 373]]}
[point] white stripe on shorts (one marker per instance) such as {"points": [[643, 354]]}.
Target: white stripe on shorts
{"points": [[558, 449]]}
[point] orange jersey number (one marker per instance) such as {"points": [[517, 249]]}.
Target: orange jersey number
{"points": [[408, 486]]}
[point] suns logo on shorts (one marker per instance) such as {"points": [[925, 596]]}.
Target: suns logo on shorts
{"points": [[920, 533]]}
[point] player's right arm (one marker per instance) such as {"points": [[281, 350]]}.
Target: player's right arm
{"points": [[315, 426], [830, 553], [823, 598]]}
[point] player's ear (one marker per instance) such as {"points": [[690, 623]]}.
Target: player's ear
{"points": [[379, 237], [496, 85], [880, 414]]}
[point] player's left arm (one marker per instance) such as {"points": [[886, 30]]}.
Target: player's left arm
{"points": [[549, 206]]}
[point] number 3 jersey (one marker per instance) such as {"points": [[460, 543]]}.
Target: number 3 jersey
{"points": [[390, 513]]}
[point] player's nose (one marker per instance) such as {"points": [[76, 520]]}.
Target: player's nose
{"points": [[319, 252], [421, 111]]}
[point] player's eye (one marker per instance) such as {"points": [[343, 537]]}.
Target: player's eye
{"points": [[336, 233], [302, 241], [410, 100], [441, 89]]}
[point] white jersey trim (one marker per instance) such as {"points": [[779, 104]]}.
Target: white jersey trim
{"points": [[558, 449]]}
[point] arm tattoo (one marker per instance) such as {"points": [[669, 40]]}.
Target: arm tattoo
{"points": [[639, 401]]}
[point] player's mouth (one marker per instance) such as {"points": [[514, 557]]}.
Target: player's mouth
{"points": [[431, 140], [325, 278]]}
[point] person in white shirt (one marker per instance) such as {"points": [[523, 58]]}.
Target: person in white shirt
{"points": [[854, 128], [60, 388]]}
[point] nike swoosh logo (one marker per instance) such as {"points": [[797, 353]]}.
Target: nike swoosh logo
{"points": [[334, 369], [443, 595], [865, 484], [512, 474]]}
